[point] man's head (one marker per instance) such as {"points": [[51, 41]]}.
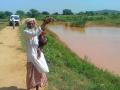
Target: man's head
{"points": [[30, 22]]}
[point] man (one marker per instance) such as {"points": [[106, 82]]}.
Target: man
{"points": [[13, 22], [34, 78]]}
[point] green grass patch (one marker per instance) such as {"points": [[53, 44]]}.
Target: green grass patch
{"points": [[69, 72], [3, 23], [81, 20]]}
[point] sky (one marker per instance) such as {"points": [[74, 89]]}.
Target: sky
{"points": [[58, 5]]}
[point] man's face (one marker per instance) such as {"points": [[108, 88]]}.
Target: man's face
{"points": [[30, 24]]}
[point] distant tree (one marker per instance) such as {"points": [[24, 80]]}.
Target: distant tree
{"points": [[45, 13], [96, 13], [2, 15], [33, 13], [28, 14], [80, 13], [105, 13], [21, 13], [8, 13], [67, 12], [114, 15], [89, 13], [56, 13], [119, 13]]}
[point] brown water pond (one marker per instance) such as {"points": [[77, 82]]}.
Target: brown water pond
{"points": [[101, 45]]}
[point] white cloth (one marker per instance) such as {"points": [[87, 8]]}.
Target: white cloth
{"points": [[41, 64], [29, 20], [13, 19], [31, 36]]}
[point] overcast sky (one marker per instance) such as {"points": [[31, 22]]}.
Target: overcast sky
{"points": [[58, 5]]}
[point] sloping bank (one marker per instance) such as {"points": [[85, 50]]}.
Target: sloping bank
{"points": [[3, 25], [69, 72]]}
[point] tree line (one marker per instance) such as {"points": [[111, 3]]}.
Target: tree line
{"points": [[31, 13], [36, 13]]}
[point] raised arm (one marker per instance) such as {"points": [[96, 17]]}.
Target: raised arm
{"points": [[46, 21], [32, 34]]}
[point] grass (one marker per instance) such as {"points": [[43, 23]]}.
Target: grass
{"points": [[106, 21], [21, 35], [3, 23], [81, 20], [69, 72]]}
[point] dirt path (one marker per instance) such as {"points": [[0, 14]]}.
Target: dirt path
{"points": [[12, 61]]}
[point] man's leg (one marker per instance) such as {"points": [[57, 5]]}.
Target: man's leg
{"points": [[37, 87], [13, 25]]}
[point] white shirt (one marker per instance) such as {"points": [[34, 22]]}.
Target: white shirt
{"points": [[13, 19], [31, 36]]}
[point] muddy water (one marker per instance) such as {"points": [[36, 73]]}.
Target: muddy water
{"points": [[101, 45]]}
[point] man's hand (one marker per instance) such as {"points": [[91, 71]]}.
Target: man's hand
{"points": [[38, 52], [47, 20]]}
